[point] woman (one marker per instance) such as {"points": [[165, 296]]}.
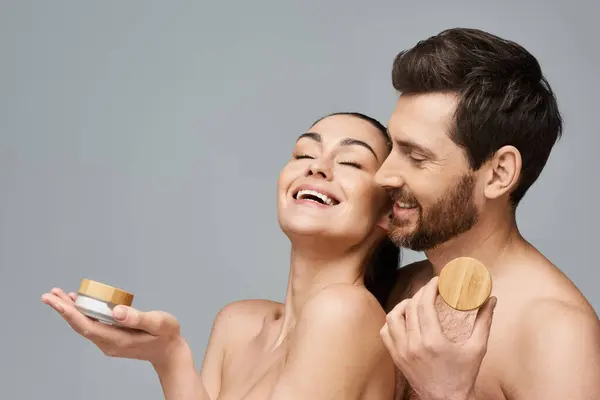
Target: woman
{"points": [[324, 341]]}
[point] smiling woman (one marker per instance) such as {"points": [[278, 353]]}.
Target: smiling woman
{"points": [[324, 341]]}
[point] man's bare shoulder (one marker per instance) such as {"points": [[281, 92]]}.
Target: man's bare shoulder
{"points": [[552, 329], [409, 280], [553, 302], [556, 341], [544, 287]]}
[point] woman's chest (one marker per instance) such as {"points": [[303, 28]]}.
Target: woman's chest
{"points": [[251, 375]]}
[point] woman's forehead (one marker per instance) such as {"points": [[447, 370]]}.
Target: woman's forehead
{"points": [[337, 128]]}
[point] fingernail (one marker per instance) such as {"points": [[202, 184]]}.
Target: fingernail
{"points": [[494, 301], [59, 308], [120, 313]]}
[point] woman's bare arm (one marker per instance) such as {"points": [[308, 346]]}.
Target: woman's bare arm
{"points": [[181, 381], [179, 378]]}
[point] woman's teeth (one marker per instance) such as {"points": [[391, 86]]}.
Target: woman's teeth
{"points": [[313, 195]]}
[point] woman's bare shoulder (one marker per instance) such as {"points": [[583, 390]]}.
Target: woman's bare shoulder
{"points": [[347, 304], [337, 346], [250, 309], [246, 317]]}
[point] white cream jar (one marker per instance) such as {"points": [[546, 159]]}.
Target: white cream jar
{"points": [[97, 300]]}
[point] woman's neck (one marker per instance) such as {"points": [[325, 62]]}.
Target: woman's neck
{"points": [[311, 271]]}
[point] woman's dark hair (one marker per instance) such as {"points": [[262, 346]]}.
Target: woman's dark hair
{"points": [[382, 268]]}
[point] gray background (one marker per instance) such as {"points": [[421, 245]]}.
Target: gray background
{"points": [[140, 144]]}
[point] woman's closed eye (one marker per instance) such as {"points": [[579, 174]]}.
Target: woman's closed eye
{"points": [[301, 156], [352, 164]]}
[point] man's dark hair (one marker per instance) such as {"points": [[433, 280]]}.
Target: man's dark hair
{"points": [[503, 97]]}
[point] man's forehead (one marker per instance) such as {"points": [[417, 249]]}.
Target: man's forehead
{"points": [[423, 118]]}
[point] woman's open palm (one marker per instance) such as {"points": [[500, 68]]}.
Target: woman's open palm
{"points": [[149, 336]]}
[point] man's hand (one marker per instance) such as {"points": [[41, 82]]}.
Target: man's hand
{"points": [[435, 366]]}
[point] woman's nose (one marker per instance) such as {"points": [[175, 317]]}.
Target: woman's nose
{"points": [[320, 170]]}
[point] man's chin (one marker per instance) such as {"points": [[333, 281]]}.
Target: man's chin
{"points": [[401, 237], [409, 239]]}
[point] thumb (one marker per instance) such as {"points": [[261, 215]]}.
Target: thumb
{"points": [[126, 316], [483, 324], [156, 323]]}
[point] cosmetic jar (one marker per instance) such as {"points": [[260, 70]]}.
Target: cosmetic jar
{"points": [[97, 300], [465, 284]]}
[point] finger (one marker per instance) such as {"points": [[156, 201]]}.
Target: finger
{"points": [[413, 331], [61, 295], [157, 323], [429, 322], [73, 296], [113, 341], [483, 323], [396, 322], [92, 330], [390, 344], [386, 337]]}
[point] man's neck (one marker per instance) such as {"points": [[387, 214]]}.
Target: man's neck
{"points": [[487, 242]]}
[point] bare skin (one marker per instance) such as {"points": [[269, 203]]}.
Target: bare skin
{"points": [[324, 341], [549, 353], [250, 366], [545, 336]]}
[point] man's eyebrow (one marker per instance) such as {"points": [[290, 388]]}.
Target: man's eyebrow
{"points": [[345, 142], [414, 146]]}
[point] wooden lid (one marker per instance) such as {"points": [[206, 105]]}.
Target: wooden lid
{"points": [[102, 292], [465, 284]]}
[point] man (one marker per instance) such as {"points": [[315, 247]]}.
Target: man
{"points": [[473, 128]]}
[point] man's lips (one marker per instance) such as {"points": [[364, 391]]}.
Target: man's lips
{"points": [[404, 209]]}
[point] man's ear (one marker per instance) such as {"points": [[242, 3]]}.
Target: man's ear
{"points": [[503, 171]]}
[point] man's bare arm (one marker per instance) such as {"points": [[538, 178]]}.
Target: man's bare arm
{"points": [[336, 348], [558, 354]]}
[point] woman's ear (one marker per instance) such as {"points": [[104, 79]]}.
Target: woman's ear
{"points": [[384, 221]]}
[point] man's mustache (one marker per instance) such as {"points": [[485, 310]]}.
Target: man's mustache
{"points": [[402, 196]]}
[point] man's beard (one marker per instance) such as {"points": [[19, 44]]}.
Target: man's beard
{"points": [[453, 214]]}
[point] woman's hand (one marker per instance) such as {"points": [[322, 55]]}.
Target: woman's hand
{"points": [[153, 336]]}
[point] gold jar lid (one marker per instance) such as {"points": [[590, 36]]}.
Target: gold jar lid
{"points": [[465, 284], [106, 293]]}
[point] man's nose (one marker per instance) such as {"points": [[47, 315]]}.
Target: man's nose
{"points": [[388, 176]]}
